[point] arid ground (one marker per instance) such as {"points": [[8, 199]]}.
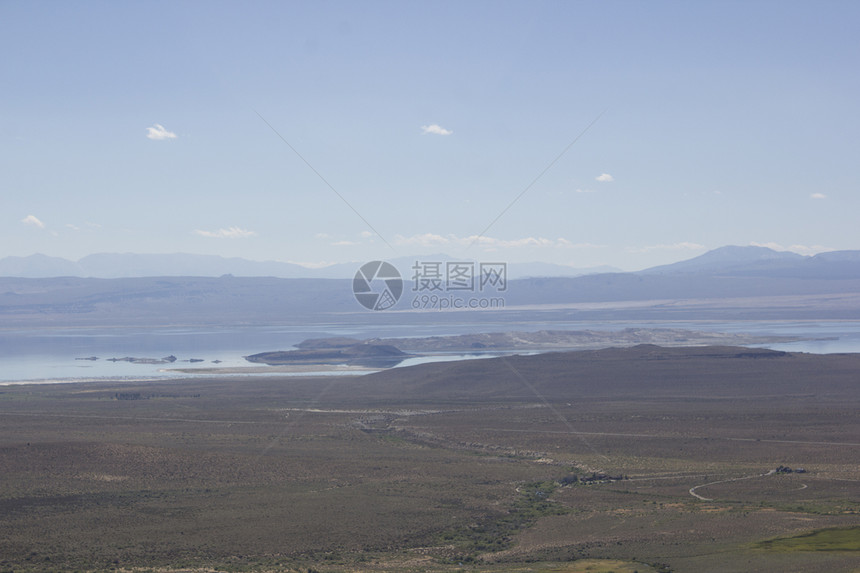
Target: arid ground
{"points": [[638, 459]]}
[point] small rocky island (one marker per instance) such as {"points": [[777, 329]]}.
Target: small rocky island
{"points": [[134, 360], [388, 352], [137, 360], [346, 351]]}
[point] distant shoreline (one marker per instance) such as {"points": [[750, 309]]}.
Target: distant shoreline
{"points": [[221, 359], [227, 372], [282, 369], [389, 352]]}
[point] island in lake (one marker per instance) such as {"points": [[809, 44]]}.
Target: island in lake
{"points": [[388, 352]]}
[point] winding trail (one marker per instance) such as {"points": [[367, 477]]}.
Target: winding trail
{"points": [[703, 498]]}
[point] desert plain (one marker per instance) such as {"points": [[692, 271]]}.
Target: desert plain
{"points": [[636, 459]]}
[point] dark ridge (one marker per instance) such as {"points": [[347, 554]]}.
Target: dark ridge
{"points": [[637, 373], [372, 355]]}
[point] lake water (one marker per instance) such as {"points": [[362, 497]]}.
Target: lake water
{"points": [[51, 355]]}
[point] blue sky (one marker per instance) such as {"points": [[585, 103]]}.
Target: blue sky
{"points": [[136, 127]]}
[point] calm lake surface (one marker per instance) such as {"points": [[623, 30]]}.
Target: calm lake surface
{"points": [[52, 354]]}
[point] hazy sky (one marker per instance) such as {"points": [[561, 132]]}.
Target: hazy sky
{"points": [[142, 127]]}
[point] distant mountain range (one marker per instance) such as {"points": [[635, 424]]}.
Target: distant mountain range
{"points": [[125, 265], [762, 261], [730, 257], [738, 261], [729, 283]]}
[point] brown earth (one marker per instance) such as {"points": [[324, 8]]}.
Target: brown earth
{"points": [[425, 468]]}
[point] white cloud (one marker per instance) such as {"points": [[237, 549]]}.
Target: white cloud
{"points": [[682, 246], [493, 243], [809, 249], [818, 196], [799, 249], [228, 233], [488, 243], [158, 132], [568, 245], [585, 190], [605, 178], [423, 240], [336, 241], [32, 220], [435, 129], [770, 245], [312, 264]]}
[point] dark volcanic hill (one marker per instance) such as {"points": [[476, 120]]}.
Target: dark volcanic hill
{"points": [[360, 354]]}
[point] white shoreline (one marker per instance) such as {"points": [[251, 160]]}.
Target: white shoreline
{"points": [[180, 375]]}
